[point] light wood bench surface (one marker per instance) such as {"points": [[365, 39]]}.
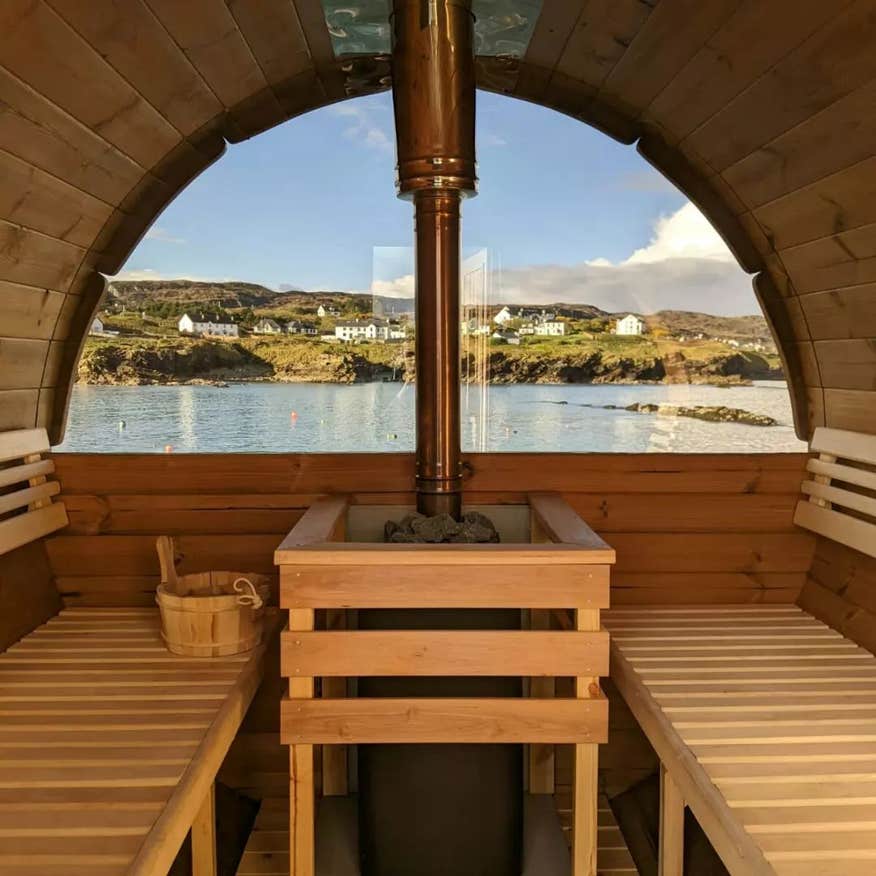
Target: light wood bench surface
{"points": [[764, 720], [109, 745]]}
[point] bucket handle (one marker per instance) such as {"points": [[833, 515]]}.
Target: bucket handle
{"points": [[251, 598]]}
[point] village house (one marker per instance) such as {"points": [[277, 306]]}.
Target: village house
{"points": [[629, 325], [267, 326], [96, 326], [207, 324], [509, 337], [296, 327], [474, 326], [362, 330], [503, 316], [322, 311], [550, 328]]}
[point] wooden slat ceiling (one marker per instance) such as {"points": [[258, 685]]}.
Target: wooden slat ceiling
{"points": [[763, 113]]}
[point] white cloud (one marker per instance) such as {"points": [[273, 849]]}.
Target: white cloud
{"points": [[140, 274], [365, 126], [162, 235], [685, 266], [686, 234], [400, 287]]}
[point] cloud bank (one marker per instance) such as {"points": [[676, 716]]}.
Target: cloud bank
{"points": [[685, 266]]}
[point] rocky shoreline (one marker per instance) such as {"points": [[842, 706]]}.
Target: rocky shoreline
{"points": [[708, 413], [184, 361]]}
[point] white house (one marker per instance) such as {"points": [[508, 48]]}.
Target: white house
{"points": [[474, 326], [300, 328], [503, 316], [96, 326], [323, 311], [550, 328], [206, 324], [629, 325], [267, 326], [396, 332], [506, 335], [362, 330]]}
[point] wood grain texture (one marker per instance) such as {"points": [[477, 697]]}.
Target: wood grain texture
{"points": [[443, 652], [497, 720], [774, 760], [712, 527]]}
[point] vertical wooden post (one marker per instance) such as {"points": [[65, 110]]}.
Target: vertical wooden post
{"points": [[585, 789], [542, 758], [671, 856], [302, 792], [334, 757], [204, 837]]}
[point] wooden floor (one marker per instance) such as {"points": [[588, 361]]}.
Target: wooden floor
{"points": [[99, 728], [779, 711], [267, 852]]}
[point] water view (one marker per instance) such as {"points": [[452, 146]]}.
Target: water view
{"points": [[379, 418]]}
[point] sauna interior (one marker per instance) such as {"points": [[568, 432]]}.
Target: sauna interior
{"points": [[666, 666]]}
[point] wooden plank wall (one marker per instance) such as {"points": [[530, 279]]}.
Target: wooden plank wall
{"points": [[687, 528], [27, 594], [841, 590]]}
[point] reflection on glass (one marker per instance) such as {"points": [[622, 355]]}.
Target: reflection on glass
{"points": [[502, 27]]}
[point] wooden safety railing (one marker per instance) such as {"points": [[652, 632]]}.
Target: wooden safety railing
{"points": [[565, 567]]}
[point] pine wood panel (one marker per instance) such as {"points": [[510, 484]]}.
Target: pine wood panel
{"points": [[672, 34], [845, 258], [745, 46], [46, 137], [714, 528], [357, 653], [49, 205], [30, 312], [841, 313], [135, 43], [830, 64], [436, 720], [847, 364], [27, 256], [52, 58]]}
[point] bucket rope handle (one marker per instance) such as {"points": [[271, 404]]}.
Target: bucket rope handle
{"points": [[252, 597]]}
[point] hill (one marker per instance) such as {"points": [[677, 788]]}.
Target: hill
{"points": [[173, 297]]}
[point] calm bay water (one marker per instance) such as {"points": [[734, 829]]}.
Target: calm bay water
{"points": [[379, 417]]}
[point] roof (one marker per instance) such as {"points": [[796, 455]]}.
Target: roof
{"points": [[363, 323]]}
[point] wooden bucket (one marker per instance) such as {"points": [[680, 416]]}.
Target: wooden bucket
{"points": [[222, 613]]}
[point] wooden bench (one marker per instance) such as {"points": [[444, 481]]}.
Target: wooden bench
{"points": [[110, 745], [764, 718]]}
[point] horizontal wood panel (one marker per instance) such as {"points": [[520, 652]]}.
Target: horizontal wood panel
{"points": [[496, 720], [490, 473], [442, 652], [468, 586], [232, 511]]}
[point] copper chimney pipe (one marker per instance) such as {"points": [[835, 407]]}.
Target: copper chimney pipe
{"points": [[434, 99]]}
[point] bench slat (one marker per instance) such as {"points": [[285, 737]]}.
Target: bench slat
{"points": [[772, 743]]}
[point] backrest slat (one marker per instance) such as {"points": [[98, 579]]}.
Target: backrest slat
{"points": [[27, 507], [840, 499]]}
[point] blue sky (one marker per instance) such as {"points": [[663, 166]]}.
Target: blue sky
{"points": [[565, 212]]}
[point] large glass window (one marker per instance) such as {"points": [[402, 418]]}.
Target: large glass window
{"points": [[271, 308]]}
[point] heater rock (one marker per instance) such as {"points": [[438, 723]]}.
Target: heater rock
{"points": [[474, 528]]}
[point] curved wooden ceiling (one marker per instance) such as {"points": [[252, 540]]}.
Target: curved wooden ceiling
{"points": [[763, 113]]}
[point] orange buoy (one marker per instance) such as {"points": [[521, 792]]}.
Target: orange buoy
{"points": [[293, 415], [168, 448]]}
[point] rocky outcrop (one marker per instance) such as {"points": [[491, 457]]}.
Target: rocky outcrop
{"points": [[710, 413]]}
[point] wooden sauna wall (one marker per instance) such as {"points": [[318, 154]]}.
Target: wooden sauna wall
{"points": [[841, 590], [700, 528], [687, 528], [28, 596]]}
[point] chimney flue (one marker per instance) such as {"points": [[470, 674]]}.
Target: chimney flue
{"points": [[434, 99]]}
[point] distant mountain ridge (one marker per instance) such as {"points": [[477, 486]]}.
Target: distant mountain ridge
{"points": [[135, 294]]}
